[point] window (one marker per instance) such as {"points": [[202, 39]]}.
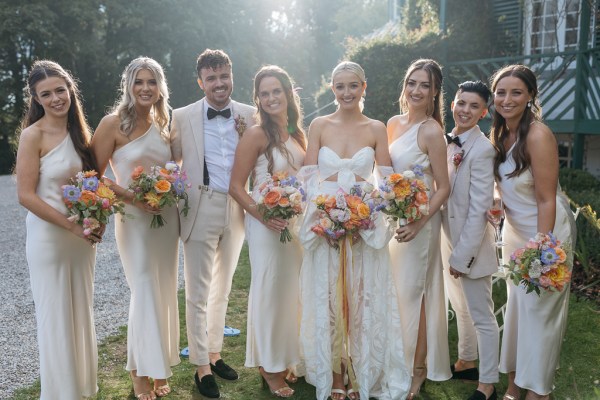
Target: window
{"points": [[553, 26]]}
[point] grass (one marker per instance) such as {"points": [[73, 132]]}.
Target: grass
{"points": [[578, 378]]}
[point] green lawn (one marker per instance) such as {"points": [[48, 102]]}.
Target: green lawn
{"points": [[578, 377]]}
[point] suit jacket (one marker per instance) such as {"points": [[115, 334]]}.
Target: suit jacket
{"points": [[187, 146], [464, 222]]}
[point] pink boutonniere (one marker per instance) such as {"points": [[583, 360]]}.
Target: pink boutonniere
{"points": [[240, 124], [457, 158]]}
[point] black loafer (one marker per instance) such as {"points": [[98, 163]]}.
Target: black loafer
{"points": [[477, 395], [469, 374], [207, 386], [223, 370]]}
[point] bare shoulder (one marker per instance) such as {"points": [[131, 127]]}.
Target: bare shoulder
{"points": [[395, 120], [108, 125], [320, 122], [256, 135], [431, 129], [31, 136], [540, 132], [377, 127]]}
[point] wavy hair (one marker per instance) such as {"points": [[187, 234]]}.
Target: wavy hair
{"points": [[532, 113], [294, 113], [77, 125], [435, 103], [125, 107]]}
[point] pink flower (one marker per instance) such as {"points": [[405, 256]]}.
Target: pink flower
{"points": [[457, 158]]}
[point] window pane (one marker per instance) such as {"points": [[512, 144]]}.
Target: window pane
{"points": [[570, 37], [572, 20]]}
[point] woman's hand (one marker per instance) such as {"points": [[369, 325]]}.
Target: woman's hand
{"points": [[142, 205], [276, 224], [409, 232], [93, 238]]}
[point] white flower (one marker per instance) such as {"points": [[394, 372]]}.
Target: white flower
{"points": [[388, 195], [368, 188], [290, 189], [326, 223], [408, 174], [171, 166], [295, 198], [340, 215]]}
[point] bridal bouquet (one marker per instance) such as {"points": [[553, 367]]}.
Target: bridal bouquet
{"points": [[90, 202], [542, 263], [161, 187], [344, 214], [404, 196], [281, 196]]}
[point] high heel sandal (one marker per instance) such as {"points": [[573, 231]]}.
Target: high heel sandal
{"points": [[290, 377], [416, 392], [162, 390], [283, 392], [141, 380]]}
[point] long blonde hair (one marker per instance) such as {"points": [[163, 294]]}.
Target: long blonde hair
{"points": [[435, 104], [125, 107]]}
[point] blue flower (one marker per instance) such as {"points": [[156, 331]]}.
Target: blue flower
{"points": [[71, 193], [418, 170], [549, 256], [90, 184], [179, 186]]}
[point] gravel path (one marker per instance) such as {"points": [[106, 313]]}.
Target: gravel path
{"points": [[19, 360]]}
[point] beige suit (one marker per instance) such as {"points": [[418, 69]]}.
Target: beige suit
{"points": [[467, 246], [212, 234]]}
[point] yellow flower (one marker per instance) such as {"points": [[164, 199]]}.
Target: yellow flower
{"points": [[153, 199], [104, 192], [559, 276], [363, 211], [402, 189], [395, 178]]}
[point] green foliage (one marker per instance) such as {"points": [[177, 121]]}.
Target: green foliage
{"points": [[583, 190]]}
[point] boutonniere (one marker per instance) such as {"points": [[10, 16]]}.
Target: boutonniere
{"points": [[457, 158], [240, 124]]}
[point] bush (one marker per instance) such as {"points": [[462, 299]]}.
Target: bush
{"points": [[583, 189]]}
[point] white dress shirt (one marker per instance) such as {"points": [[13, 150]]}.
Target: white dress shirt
{"points": [[220, 142]]}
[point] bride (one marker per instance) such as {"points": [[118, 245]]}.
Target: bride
{"points": [[342, 149]]}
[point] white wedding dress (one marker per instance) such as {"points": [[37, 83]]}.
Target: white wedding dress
{"points": [[375, 336], [534, 326], [273, 301]]}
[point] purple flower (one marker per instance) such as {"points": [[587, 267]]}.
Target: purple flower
{"points": [[71, 193], [179, 186], [418, 170], [90, 183], [549, 256]]}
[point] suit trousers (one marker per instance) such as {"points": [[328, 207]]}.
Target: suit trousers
{"points": [[472, 301], [210, 257]]}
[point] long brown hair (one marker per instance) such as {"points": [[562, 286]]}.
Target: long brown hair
{"points": [[77, 125], [294, 113], [532, 113], [435, 104]]}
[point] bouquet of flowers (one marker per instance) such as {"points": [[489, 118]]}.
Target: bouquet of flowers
{"points": [[404, 196], [542, 263], [281, 196], [90, 202], [344, 214], [162, 187]]}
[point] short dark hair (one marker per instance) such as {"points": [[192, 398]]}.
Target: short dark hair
{"points": [[476, 87], [212, 59]]}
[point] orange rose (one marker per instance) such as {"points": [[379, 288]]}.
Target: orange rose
{"points": [[137, 172], [562, 256], [90, 173], [330, 203], [284, 202], [162, 186], [559, 276], [165, 173], [87, 197], [363, 211], [422, 197], [353, 202], [272, 198]]}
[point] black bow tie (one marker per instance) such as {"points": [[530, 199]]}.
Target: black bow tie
{"points": [[211, 113], [451, 139]]}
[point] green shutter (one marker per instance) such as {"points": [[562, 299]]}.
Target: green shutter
{"points": [[508, 28]]}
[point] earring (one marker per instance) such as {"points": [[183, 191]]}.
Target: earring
{"points": [[529, 104]]}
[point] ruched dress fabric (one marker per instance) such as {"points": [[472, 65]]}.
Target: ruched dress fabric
{"points": [[150, 261], [418, 271], [375, 336], [273, 301], [534, 326], [61, 270]]}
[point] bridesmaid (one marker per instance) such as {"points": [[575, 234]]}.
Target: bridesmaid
{"points": [[526, 169], [416, 137], [53, 147], [276, 144], [136, 134]]}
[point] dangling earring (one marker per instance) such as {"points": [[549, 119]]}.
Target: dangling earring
{"points": [[529, 104]]}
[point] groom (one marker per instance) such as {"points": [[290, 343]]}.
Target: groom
{"points": [[468, 252], [204, 137]]}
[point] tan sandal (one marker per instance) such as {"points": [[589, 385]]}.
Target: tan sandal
{"points": [[335, 392], [162, 390], [140, 393]]}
